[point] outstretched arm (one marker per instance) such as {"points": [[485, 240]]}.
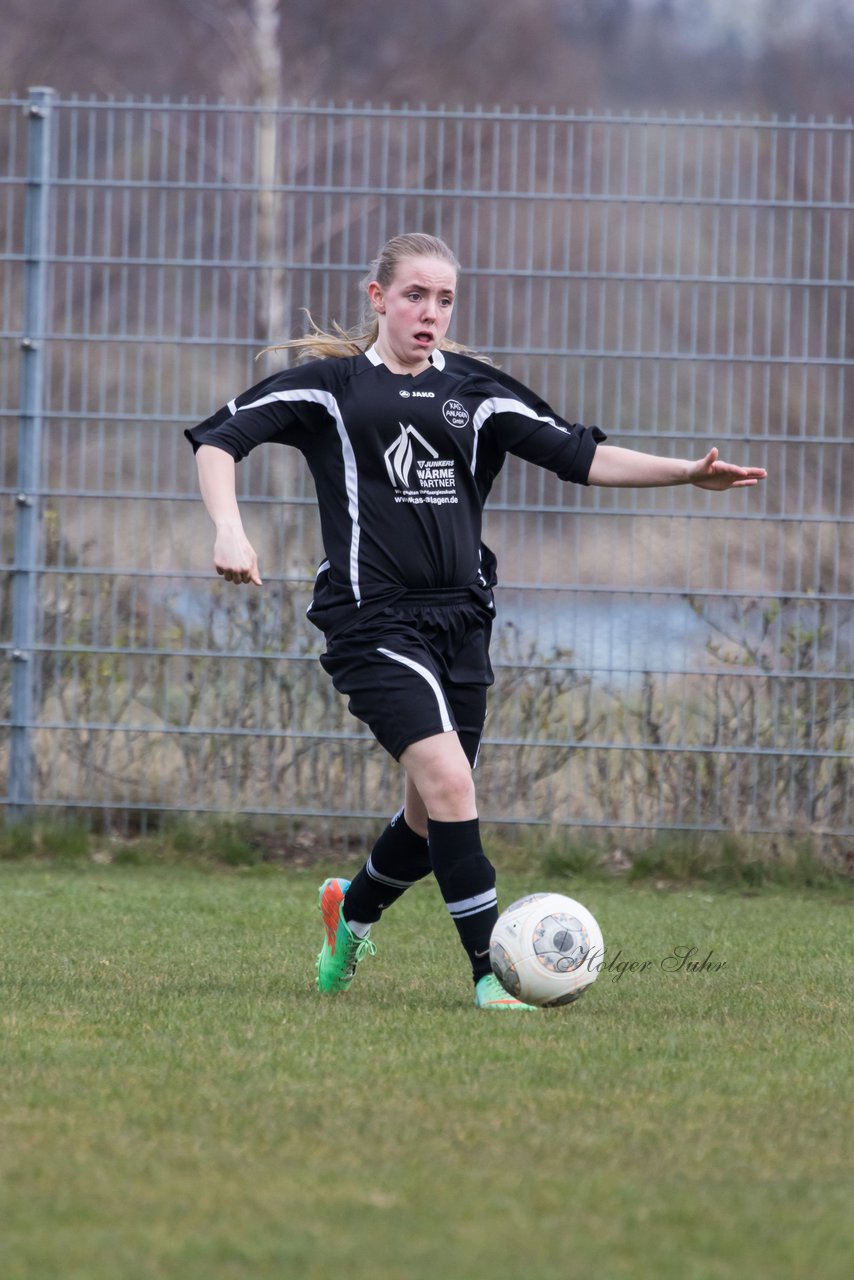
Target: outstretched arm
{"points": [[234, 557], [613, 467]]}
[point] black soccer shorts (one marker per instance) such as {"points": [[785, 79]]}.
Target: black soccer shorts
{"points": [[418, 668]]}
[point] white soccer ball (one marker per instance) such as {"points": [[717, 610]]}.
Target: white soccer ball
{"points": [[546, 949]]}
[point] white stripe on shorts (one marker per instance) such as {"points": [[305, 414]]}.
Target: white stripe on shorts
{"points": [[471, 906], [447, 727]]}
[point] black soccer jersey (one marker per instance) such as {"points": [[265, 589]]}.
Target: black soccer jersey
{"points": [[402, 466]]}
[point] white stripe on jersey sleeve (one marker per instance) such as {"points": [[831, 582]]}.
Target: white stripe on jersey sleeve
{"points": [[313, 395], [498, 405]]}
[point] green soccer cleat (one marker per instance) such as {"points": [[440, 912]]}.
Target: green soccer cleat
{"points": [[489, 994], [341, 951]]}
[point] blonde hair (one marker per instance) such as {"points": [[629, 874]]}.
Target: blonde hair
{"points": [[324, 343]]}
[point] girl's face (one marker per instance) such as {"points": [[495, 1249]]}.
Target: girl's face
{"points": [[414, 312]]}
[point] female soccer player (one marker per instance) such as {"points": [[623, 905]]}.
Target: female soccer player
{"points": [[404, 433]]}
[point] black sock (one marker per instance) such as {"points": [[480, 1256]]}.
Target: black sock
{"points": [[398, 859], [466, 879]]}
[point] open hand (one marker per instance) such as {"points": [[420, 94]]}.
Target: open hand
{"points": [[711, 473]]}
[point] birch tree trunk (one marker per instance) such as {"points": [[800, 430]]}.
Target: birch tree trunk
{"points": [[270, 311]]}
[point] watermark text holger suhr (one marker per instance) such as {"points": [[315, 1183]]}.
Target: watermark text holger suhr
{"points": [[679, 960]]}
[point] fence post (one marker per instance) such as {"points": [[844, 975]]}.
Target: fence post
{"points": [[28, 506]]}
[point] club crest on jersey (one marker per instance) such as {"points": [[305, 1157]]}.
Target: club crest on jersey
{"points": [[455, 413], [417, 473]]}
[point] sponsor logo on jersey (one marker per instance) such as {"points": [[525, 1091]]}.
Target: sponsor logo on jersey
{"points": [[417, 473], [418, 395], [455, 413]]}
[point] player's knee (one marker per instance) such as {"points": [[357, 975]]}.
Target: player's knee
{"points": [[449, 795]]}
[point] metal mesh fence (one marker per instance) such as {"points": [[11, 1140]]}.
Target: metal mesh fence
{"points": [[666, 659]]}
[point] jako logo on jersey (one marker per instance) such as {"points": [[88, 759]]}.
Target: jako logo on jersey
{"points": [[419, 395], [455, 413]]}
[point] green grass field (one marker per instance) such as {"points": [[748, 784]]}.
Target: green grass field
{"points": [[178, 1103]]}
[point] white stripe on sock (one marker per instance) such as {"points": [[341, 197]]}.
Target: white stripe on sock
{"points": [[471, 906], [381, 879]]}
